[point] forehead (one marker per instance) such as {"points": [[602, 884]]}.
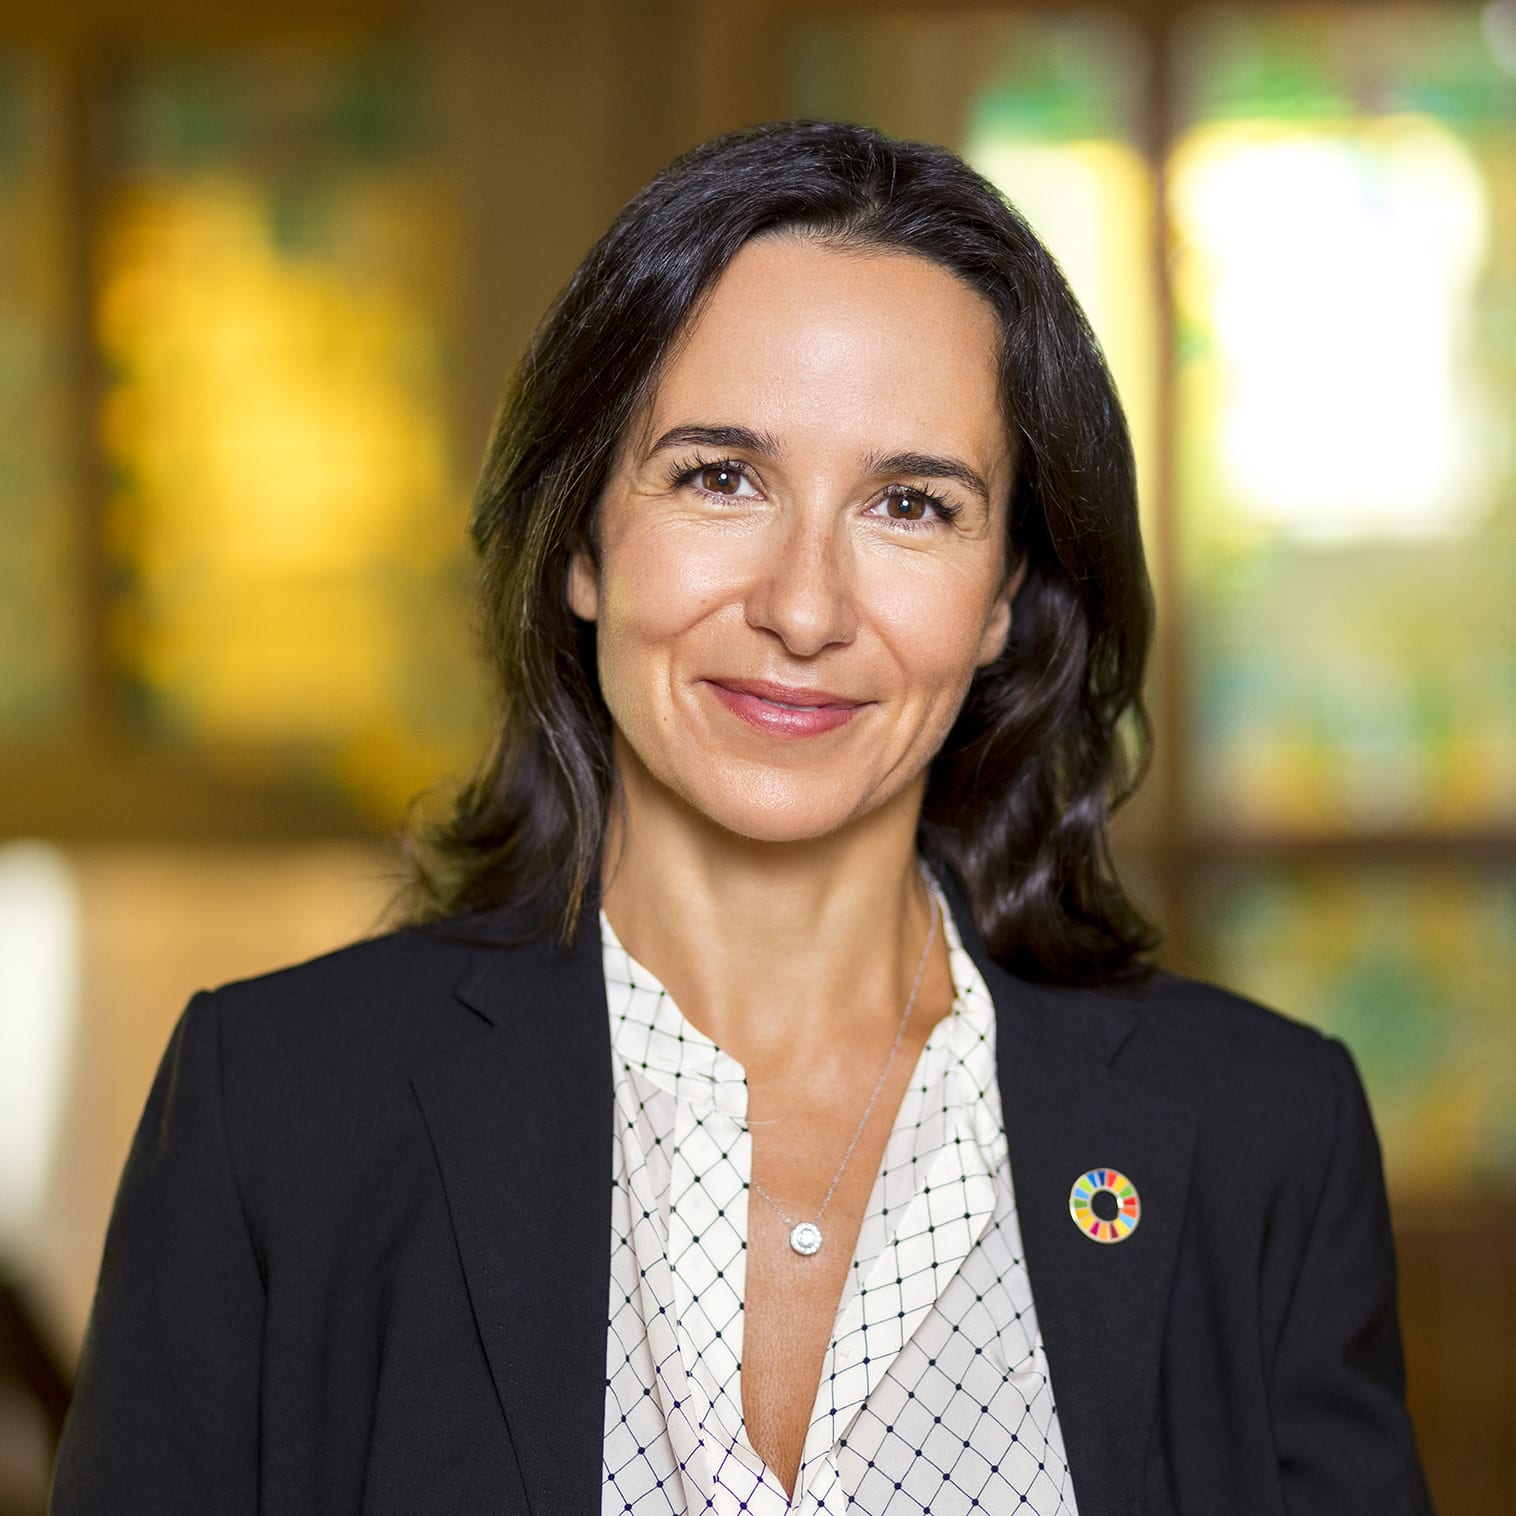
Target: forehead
{"points": [[807, 340]]}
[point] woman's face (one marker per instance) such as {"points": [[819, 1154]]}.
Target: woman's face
{"points": [[801, 548]]}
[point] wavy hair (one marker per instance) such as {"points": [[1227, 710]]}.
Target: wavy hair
{"points": [[1052, 735]]}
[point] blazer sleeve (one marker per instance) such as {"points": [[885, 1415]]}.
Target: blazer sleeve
{"points": [[1342, 1433], [165, 1409]]}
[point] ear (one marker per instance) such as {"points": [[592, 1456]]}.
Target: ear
{"points": [[997, 626], [583, 591]]}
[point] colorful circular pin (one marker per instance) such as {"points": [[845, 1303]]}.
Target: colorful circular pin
{"points": [[1105, 1205]]}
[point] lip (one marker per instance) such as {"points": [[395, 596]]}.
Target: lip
{"points": [[784, 710]]}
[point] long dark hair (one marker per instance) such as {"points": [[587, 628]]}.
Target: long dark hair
{"points": [[1051, 736]]}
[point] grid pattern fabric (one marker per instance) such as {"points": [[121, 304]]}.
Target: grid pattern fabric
{"points": [[934, 1394]]}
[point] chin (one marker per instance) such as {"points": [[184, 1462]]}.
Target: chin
{"points": [[776, 809]]}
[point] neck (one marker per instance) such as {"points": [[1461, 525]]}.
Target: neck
{"points": [[778, 951]]}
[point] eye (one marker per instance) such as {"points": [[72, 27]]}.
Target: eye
{"points": [[721, 479], [726, 479], [912, 506], [900, 506]]}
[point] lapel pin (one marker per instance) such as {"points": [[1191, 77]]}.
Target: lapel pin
{"points": [[1105, 1205]]}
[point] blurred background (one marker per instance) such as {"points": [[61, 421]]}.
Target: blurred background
{"points": [[262, 274]]}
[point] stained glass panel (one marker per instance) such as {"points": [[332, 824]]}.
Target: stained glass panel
{"points": [[41, 618], [283, 521], [1344, 203], [1413, 969]]}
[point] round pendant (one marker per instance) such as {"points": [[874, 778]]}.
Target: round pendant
{"points": [[806, 1238]]}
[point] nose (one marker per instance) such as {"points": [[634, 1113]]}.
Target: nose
{"points": [[803, 592]]}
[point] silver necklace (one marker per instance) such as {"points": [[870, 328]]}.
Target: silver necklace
{"points": [[805, 1236]]}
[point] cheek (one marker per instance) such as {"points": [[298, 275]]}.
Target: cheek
{"points": [[661, 582], [658, 588], [936, 623]]}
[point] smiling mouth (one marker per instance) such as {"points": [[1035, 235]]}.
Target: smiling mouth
{"points": [[787, 695], [782, 711]]}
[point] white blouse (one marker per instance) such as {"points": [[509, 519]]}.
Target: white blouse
{"points": [[934, 1393]]}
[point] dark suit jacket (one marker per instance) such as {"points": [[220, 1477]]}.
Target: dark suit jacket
{"points": [[360, 1260]]}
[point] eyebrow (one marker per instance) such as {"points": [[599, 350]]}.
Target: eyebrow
{"points": [[931, 466], [921, 465], [741, 437]]}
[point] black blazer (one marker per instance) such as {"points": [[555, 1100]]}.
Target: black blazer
{"points": [[359, 1260]]}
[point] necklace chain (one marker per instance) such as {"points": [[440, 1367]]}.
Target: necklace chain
{"points": [[806, 1236]]}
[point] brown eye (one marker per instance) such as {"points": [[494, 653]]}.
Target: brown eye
{"points": [[902, 507], [720, 479]]}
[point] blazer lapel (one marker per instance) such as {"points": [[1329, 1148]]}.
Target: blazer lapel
{"points": [[521, 1122], [1068, 1108]]}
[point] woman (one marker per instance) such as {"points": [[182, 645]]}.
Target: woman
{"points": [[783, 904]]}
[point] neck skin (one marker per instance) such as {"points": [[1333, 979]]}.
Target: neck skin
{"points": [[781, 953]]}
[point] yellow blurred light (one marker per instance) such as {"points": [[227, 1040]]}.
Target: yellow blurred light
{"points": [[276, 461], [1091, 202]]}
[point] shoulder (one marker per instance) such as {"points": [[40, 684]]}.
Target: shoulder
{"points": [[1163, 1028], [313, 1066], [1261, 1082], [1250, 1073], [370, 973], [365, 1017], [1174, 1021], [394, 986], [1187, 1025], [1217, 1026], [1194, 1027]]}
